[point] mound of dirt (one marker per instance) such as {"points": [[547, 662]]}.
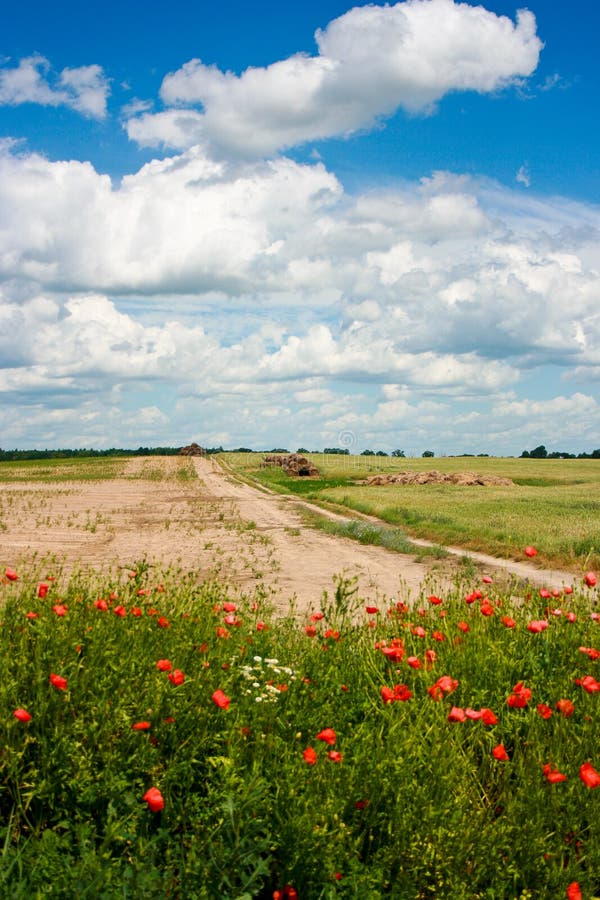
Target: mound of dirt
{"points": [[292, 464], [435, 477]]}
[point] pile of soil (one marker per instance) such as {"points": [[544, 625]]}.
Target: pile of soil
{"points": [[435, 477], [292, 464]]}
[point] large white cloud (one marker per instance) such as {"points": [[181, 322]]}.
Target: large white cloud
{"points": [[84, 89], [213, 292], [371, 61]]}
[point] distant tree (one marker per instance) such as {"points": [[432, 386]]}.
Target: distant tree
{"points": [[338, 451], [525, 454], [381, 453], [368, 453], [399, 453], [428, 453], [302, 450], [538, 452]]}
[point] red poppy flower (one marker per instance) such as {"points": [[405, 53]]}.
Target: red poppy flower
{"points": [[438, 636], [553, 775], [574, 891], [335, 756], [414, 662], [164, 665], [430, 658], [42, 590], [120, 611], [141, 726], [590, 579], [565, 707], [463, 626], [310, 630], [22, 715], [221, 699], [286, 893], [221, 632], [163, 622], [589, 684], [394, 653], [456, 714], [568, 589], [508, 621], [530, 551], [32, 615], [487, 579], [589, 776], [101, 604], [136, 611], [229, 607], [316, 617], [10, 574], [372, 610], [402, 693], [310, 756], [545, 593], [519, 697], [488, 717], [544, 711], [176, 677], [486, 608], [60, 609], [58, 682], [260, 626], [571, 617], [537, 626], [154, 799], [435, 601], [444, 685], [327, 735], [473, 714], [500, 753], [419, 631]]}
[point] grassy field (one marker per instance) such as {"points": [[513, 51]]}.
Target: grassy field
{"points": [[553, 504], [159, 740], [52, 471]]}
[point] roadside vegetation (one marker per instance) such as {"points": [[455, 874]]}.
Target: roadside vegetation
{"points": [[163, 737]]}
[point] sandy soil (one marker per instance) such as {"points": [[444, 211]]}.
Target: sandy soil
{"points": [[216, 526]]}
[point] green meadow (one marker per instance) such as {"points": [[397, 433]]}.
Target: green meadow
{"points": [[163, 737], [552, 504]]}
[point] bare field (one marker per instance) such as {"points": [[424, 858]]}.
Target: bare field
{"points": [[191, 514], [174, 511]]}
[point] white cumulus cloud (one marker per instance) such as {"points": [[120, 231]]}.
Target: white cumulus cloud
{"points": [[84, 89], [371, 61]]}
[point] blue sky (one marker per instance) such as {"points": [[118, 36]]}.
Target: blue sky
{"points": [[366, 226]]}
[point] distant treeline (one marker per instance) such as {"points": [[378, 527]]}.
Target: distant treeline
{"points": [[15, 455], [541, 453]]}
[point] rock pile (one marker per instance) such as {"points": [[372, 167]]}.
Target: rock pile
{"points": [[435, 477], [292, 464], [192, 450]]}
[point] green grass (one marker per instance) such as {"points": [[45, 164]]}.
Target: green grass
{"points": [[553, 504], [415, 806]]}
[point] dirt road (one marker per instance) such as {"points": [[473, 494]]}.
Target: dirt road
{"points": [[217, 526]]}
